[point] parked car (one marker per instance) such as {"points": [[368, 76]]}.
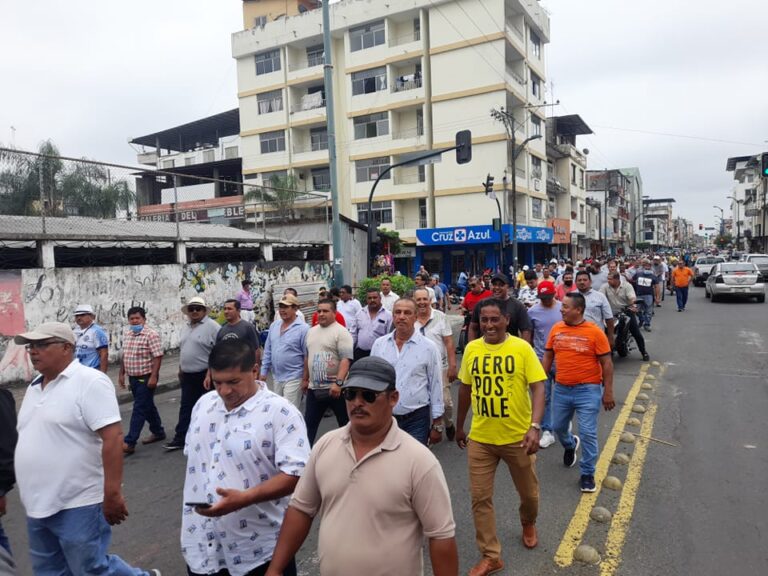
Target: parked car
{"points": [[741, 279], [702, 267], [760, 260]]}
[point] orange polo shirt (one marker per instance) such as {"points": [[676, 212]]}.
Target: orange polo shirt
{"points": [[681, 277]]}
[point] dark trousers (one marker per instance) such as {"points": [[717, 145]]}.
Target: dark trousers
{"points": [[290, 570], [360, 353], [192, 390], [144, 410], [634, 329], [318, 401], [682, 297], [417, 423]]}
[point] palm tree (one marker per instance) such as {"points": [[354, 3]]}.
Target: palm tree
{"points": [[281, 194]]}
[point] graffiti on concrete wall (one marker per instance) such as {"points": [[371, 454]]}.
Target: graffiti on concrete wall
{"points": [[36, 296]]}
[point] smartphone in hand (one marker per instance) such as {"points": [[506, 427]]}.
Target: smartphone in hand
{"points": [[197, 504]]}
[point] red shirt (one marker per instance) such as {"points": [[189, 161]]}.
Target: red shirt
{"points": [[561, 290], [471, 299], [339, 319]]}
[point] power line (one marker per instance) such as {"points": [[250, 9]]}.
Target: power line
{"points": [[670, 135]]}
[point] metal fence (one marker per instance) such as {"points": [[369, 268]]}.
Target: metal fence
{"points": [[45, 186]]}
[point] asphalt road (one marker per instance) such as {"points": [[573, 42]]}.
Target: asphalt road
{"points": [[698, 507]]}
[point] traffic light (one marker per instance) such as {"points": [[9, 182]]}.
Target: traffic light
{"points": [[764, 165], [463, 147], [488, 184]]}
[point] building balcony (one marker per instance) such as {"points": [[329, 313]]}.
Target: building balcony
{"points": [[407, 82], [404, 39]]}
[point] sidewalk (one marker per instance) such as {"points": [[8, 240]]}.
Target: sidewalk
{"points": [[168, 380]]}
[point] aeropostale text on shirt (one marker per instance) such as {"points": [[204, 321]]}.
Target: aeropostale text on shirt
{"points": [[489, 374]]}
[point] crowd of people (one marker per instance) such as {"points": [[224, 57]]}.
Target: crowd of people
{"points": [[539, 355]]}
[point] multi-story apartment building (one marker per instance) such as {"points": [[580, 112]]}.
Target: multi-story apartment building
{"points": [[407, 75], [748, 202], [659, 231], [635, 198], [610, 188], [566, 183]]}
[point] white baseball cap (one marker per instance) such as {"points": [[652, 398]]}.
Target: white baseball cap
{"points": [[84, 309], [45, 331]]}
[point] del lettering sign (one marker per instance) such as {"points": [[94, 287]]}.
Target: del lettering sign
{"points": [[480, 235]]}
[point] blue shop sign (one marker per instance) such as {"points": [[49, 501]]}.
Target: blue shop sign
{"points": [[480, 235]]}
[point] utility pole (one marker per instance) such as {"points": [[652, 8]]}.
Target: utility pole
{"points": [[338, 241], [513, 151]]}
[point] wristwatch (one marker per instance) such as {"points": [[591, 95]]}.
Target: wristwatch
{"points": [[536, 425], [438, 428]]}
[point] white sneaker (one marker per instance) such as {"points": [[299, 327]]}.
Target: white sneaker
{"points": [[547, 439]]}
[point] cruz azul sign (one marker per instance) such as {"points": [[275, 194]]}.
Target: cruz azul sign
{"points": [[480, 235]]}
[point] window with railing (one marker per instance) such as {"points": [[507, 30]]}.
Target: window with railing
{"points": [[422, 212], [321, 178], [581, 178], [535, 125], [367, 36], [382, 212], [367, 170], [267, 62], [535, 167], [315, 56], [535, 44], [536, 208], [371, 125], [535, 85], [318, 139], [269, 102], [272, 142], [369, 81]]}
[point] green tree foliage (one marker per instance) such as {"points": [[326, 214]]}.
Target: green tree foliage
{"points": [[281, 194], [723, 240], [401, 285], [34, 184]]}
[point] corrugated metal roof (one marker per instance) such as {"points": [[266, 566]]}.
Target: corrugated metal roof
{"points": [[80, 228]]}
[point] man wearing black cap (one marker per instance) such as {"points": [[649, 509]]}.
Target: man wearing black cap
{"points": [[373, 467], [519, 323]]}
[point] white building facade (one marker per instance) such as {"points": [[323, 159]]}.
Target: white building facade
{"points": [[407, 76]]}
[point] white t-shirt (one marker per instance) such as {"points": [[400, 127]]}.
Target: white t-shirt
{"points": [[388, 300], [58, 456], [436, 328]]}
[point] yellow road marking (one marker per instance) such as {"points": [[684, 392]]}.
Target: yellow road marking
{"points": [[580, 520], [618, 531]]}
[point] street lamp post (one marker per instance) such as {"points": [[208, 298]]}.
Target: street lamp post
{"points": [[738, 221], [722, 221], [515, 153]]}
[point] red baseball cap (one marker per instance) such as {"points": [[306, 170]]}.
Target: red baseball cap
{"points": [[546, 289]]}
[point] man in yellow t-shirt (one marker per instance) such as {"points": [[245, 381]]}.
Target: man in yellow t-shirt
{"points": [[497, 372]]}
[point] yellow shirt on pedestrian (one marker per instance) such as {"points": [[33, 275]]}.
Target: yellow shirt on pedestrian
{"points": [[499, 376]]}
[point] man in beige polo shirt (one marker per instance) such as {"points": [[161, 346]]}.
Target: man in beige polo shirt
{"points": [[376, 482]]}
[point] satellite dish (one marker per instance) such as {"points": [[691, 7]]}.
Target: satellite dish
{"points": [[586, 151]]}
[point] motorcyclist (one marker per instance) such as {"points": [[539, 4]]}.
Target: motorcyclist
{"points": [[621, 297]]}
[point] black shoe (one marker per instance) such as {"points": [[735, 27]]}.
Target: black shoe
{"points": [[587, 483], [569, 456], [173, 445], [450, 433], [646, 357]]}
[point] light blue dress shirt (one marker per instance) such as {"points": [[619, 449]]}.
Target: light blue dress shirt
{"points": [[284, 353], [419, 372]]}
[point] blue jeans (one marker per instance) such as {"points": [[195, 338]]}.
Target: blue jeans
{"points": [[144, 410], [74, 542], [4, 539], [546, 421], [646, 310], [417, 423], [585, 400], [682, 297], [318, 401]]}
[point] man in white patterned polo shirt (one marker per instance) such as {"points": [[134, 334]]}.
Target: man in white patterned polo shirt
{"points": [[246, 449]]}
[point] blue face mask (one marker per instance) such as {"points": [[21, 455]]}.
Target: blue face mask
{"points": [[136, 328]]}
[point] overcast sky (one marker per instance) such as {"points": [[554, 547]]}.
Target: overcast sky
{"points": [[91, 74]]}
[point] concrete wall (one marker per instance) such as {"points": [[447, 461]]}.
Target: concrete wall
{"points": [[30, 297]]}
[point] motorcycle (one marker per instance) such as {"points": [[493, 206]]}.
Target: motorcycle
{"points": [[624, 341]]}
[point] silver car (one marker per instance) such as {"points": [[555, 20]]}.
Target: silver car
{"points": [[741, 279], [702, 267]]}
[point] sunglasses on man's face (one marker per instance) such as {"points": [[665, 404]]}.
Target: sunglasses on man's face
{"points": [[195, 308], [369, 396]]}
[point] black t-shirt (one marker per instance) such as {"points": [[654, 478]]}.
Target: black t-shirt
{"points": [[242, 330], [518, 316]]}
